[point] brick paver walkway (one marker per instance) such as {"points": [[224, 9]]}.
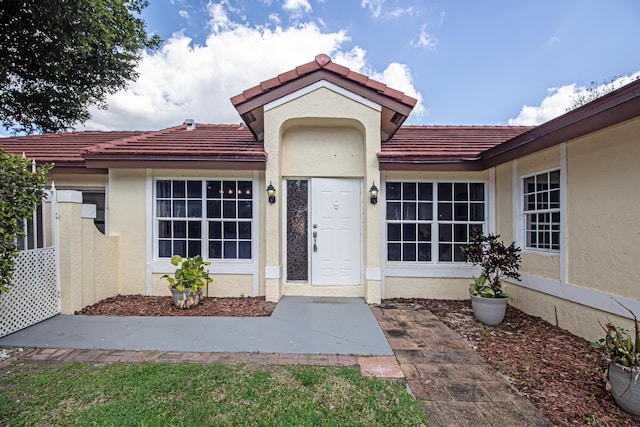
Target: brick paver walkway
{"points": [[454, 385]]}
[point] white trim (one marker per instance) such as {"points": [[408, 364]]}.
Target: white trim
{"points": [[382, 203], [255, 237], [106, 207], [592, 298], [149, 228], [564, 239], [273, 272], [490, 211], [431, 270], [322, 84], [373, 274], [516, 205], [69, 196]]}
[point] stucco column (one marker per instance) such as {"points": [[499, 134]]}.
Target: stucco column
{"points": [[373, 214], [70, 250], [273, 220]]}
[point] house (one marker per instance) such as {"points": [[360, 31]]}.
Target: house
{"points": [[360, 205]]}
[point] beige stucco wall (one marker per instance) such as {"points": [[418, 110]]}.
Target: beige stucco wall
{"points": [[426, 287], [325, 134], [88, 259], [223, 285], [83, 180], [127, 219], [603, 174]]}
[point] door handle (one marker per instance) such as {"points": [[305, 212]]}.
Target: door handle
{"points": [[315, 237]]}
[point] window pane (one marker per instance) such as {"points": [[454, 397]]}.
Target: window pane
{"points": [[194, 248], [477, 212], [445, 211], [244, 190], [163, 189], [194, 189], [180, 248], [554, 199], [194, 229], [215, 230], [179, 189], [554, 179], [215, 249], [214, 189], [409, 252], [476, 192], [409, 191], [244, 230], [446, 234], [229, 231], [163, 208], [424, 252], [445, 190], [460, 233], [164, 249], [425, 191], [424, 232], [229, 191], [444, 252], [195, 208], [530, 202], [245, 209], [461, 212], [425, 211], [542, 182], [393, 232], [409, 232], [230, 250], [214, 209], [461, 192], [180, 229], [393, 252], [229, 209], [244, 250], [164, 229], [529, 185], [393, 211], [179, 209], [457, 253], [409, 211], [393, 191]]}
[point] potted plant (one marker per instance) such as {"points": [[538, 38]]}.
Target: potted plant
{"points": [[189, 280], [488, 299], [620, 348]]}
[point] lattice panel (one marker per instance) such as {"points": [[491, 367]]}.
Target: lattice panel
{"points": [[34, 294]]}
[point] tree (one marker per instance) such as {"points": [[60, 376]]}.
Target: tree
{"points": [[61, 57], [591, 93], [20, 191]]}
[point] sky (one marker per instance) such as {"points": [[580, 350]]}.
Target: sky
{"points": [[467, 62]]}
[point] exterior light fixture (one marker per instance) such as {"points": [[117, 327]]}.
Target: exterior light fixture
{"points": [[271, 193], [373, 193]]}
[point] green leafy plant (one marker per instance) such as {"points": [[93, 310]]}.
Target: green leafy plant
{"points": [[190, 274], [619, 344], [20, 191], [496, 260]]}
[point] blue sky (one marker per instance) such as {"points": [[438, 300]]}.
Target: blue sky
{"points": [[468, 62]]}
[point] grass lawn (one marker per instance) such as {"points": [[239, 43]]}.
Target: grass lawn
{"points": [[156, 394]]}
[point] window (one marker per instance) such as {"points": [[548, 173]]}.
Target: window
{"points": [[211, 218], [542, 211], [430, 222]]}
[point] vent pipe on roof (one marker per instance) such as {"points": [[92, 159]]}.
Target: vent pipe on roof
{"points": [[191, 124]]}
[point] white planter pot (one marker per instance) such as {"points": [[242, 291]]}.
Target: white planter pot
{"points": [[625, 388], [186, 298], [489, 311]]}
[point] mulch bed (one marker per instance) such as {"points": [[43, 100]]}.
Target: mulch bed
{"points": [[140, 305]]}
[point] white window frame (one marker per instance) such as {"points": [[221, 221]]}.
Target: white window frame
{"points": [[522, 212], [435, 267]]}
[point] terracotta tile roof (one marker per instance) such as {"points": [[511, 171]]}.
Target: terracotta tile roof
{"points": [[61, 148], [322, 62], [440, 143], [216, 142]]}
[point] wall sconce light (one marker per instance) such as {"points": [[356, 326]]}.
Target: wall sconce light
{"points": [[373, 193], [271, 193]]}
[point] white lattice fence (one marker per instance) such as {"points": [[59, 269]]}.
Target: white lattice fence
{"points": [[34, 294]]}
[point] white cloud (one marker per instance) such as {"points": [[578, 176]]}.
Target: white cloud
{"points": [[398, 12], [183, 14], [425, 40], [558, 100], [297, 7], [185, 80], [375, 6]]}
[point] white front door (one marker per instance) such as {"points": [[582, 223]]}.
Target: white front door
{"points": [[335, 231]]}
